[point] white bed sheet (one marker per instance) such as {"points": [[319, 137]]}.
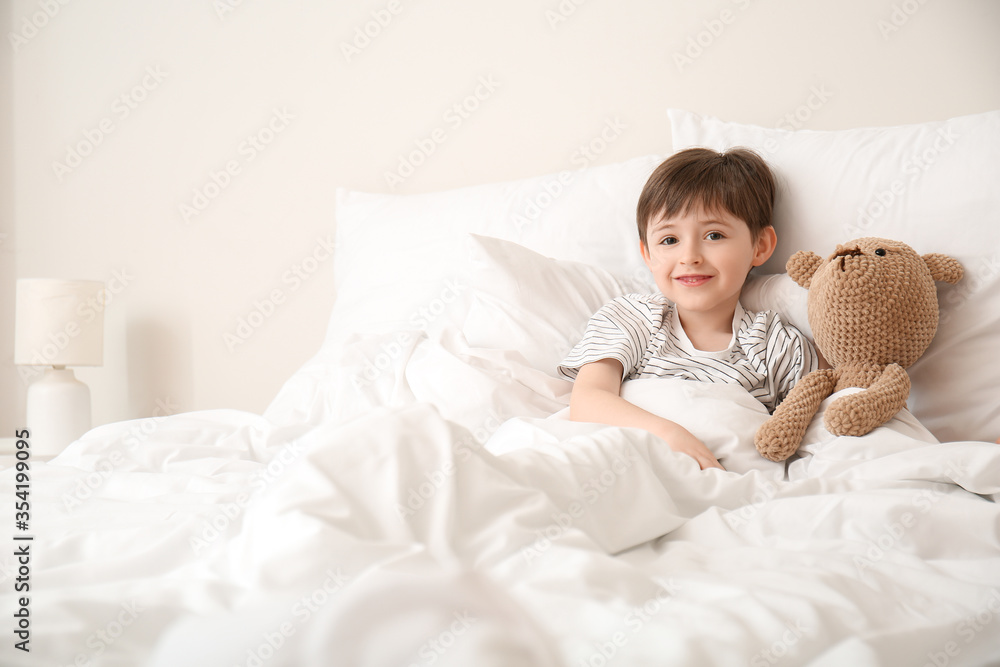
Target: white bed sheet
{"points": [[429, 509]]}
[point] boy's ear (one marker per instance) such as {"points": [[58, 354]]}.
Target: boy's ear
{"points": [[645, 251], [767, 241]]}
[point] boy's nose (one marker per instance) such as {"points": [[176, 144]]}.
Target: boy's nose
{"points": [[692, 254]]}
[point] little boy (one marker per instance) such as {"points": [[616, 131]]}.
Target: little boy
{"points": [[704, 221]]}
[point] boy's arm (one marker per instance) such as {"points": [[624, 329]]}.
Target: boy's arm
{"points": [[596, 398]]}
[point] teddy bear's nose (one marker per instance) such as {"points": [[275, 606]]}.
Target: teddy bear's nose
{"points": [[844, 253]]}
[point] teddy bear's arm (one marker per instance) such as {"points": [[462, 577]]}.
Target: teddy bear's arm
{"points": [[779, 437], [860, 413]]}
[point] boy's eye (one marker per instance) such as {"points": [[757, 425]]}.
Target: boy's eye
{"points": [[714, 236], [668, 240]]}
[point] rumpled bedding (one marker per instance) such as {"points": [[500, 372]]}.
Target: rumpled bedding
{"points": [[416, 501]]}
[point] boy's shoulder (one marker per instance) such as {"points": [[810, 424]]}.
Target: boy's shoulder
{"points": [[772, 323], [635, 298], [635, 310], [649, 306], [758, 318]]}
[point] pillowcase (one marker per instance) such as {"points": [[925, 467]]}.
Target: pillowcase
{"points": [[930, 185], [396, 254], [532, 304]]}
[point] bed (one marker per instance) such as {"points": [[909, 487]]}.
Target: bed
{"points": [[414, 494]]}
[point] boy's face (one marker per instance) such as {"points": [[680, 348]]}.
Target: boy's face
{"points": [[700, 259]]}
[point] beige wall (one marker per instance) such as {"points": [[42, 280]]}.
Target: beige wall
{"points": [[11, 389], [268, 107]]}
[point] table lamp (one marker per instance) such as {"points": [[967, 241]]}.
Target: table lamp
{"points": [[58, 323]]}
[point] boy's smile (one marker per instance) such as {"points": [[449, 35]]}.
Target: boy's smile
{"points": [[700, 260], [693, 280]]}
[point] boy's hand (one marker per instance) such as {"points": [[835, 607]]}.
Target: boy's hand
{"points": [[682, 441], [596, 398]]}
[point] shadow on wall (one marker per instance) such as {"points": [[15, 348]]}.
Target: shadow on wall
{"points": [[153, 350]]}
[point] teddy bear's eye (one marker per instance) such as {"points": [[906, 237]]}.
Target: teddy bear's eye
{"points": [[880, 252]]}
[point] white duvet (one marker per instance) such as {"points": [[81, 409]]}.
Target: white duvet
{"points": [[429, 506]]}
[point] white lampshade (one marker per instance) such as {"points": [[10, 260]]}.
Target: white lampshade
{"points": [[59, 323]]}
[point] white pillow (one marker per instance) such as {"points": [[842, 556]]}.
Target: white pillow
{"points": [[529, 303], [503, 296], [397, 255], [933, 186]]}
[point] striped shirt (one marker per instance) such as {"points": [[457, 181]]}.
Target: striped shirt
{"points": [[766, 356]]}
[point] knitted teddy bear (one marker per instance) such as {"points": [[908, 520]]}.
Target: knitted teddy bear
{"points": [[873, 311]]}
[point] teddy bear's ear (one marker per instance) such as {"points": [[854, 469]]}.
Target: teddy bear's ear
{"points": [[944, 267], [802, 266]]}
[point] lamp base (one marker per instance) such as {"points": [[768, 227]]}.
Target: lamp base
{"points": [[58, 411]]}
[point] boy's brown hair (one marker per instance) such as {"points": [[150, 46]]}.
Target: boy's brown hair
{"points": [[737, 181]]}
